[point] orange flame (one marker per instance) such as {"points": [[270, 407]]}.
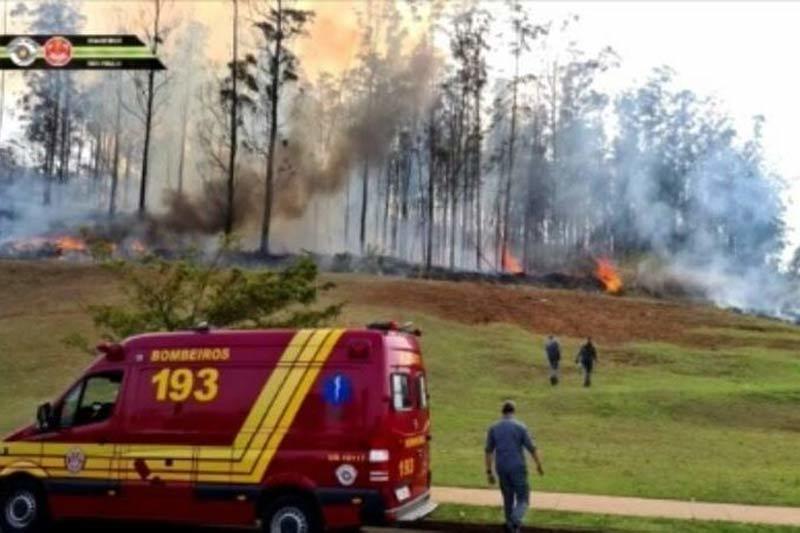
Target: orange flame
{"points": [[70, 244], [606, 273], [511, 264]]}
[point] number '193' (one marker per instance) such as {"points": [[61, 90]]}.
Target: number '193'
{"points": [[179, 384]]}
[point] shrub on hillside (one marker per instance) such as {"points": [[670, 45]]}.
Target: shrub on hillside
{"points": [[163, 295]]}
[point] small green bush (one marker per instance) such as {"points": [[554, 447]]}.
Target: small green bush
{"points": [[164, 295]]}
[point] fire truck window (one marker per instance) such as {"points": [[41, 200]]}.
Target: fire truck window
{"points": [[97, 398], [401, 392], [70, 406], [422, 391]]}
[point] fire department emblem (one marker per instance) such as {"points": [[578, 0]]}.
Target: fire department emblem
{"points": [[346, 474], [75, 460], [57, 51]]}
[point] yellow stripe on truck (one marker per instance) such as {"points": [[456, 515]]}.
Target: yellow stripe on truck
{"points": [[282, 399], [296, 402], [254, 447], [252, 424], [256, 460]]}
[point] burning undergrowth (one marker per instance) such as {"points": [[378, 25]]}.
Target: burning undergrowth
{"points": [[130, 238], [135, 239], [191, 224], [607, 274], [99, 237], [83, 245], [584, 275]]}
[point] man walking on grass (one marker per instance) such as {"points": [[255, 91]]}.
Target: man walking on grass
{"points": [[587, 357], [553, 351], [506, 443]]}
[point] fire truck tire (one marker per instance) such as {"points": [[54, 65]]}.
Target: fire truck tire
{"points": [[23, 507], [292, 514]]}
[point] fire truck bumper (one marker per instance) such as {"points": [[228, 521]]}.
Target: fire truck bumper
{"points": [[414, 510], [373, 509]]}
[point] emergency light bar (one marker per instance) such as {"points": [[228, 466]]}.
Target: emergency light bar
{"points": [[112, 351], [391, 325]]}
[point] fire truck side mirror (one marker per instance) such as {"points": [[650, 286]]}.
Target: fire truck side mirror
{"points": [[44, 417]]}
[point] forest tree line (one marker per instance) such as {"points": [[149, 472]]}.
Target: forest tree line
{"points": [[421, 149]]}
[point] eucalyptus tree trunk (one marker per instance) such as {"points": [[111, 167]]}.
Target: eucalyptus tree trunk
{"points": [[112, 204], [273, 131], [229, 204], [148, 125]]}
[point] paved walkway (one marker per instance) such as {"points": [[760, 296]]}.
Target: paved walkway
{"points": [[617, 505]]}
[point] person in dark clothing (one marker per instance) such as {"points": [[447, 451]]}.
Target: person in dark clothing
{"points": [[553, 351], [506, 442], [587, 357]]}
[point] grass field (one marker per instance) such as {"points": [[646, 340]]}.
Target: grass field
{"points": [[688, 402]]}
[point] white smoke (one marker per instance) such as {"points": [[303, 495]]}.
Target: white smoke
{"points": [[25, 213], [740, 270]]}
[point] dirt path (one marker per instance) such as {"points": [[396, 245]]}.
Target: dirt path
{"points": [[617, 505]]}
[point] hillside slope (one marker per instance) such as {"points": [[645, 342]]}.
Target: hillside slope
{"points": [[689, 401]]}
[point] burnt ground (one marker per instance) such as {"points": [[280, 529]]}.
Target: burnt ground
{"points": [[55, 287], [575, 313]]}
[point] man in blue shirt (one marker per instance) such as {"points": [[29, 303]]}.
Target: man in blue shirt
{"points": [[506, 442], [553, 351]]}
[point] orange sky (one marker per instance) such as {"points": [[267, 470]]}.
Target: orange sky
{"points": [[330, 46]]}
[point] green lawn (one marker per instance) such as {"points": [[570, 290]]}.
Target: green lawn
{"points": [[660, 421], [714, 417], [569, 522]]}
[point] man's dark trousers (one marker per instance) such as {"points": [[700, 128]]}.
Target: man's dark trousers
{"points": [[516, 495], [553, 369], [588, 366]]}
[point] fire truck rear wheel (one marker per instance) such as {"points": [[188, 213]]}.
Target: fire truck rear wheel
{"points": [[291, 514], [23, 508]]}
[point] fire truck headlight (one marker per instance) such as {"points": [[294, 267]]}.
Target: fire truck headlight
{"points": [[379, 456]]}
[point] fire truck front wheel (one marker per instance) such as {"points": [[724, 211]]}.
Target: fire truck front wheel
{"points": [[292, 514], [23, 508]]}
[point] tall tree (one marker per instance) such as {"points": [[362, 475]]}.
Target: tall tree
{"points": [[112, 204], [234, 122], [190, 57], [45, 116], [378, 96], [523, 33], [279, 26], [147, 97], [468, 45], [480, 78]]}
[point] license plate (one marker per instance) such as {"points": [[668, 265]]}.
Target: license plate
{"points": [[403, 493]]}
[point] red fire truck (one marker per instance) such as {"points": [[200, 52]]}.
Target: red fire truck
{"points": [[291, 430]]}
